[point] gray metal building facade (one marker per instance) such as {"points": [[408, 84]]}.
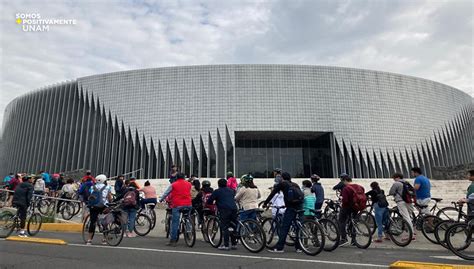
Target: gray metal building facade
{"points": [[209, 118]]}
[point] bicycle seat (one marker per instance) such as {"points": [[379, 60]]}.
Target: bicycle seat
{"points": [[437, 199], [151, 205], [185, 210]]}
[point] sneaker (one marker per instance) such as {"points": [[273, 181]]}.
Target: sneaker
{"points": [[233, 247], [171, 243], [22, 234], [276, 250], [378, 240], [104, 241], [299, 251], [343, 243], [223, 248], [89, 242], [132, 235], [125, 234]]}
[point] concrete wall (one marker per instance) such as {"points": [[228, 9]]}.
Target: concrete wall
{"points": [[449, 190]]}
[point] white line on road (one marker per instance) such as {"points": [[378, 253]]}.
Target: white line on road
{"points": [[235, 256], [454, 258]]}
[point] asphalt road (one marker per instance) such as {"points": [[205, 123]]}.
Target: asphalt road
{"points": [[151, 252]]}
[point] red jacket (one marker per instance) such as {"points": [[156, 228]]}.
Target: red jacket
{"points": [[347, 194], [181, 193]]}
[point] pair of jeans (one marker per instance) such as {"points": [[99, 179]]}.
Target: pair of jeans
{"points": [[143, 202], [290, 215], [175, 217], [344, 216], [317, 207], [381, 218], [132, 215], [248, 214], [227, 217]]}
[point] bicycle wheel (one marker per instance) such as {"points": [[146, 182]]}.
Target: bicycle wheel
{"points": [[189, 232], [168, 223], [311, 237], [77, 208], [7, 224], [142, 225], [448, 213], [271, 229], [67, 210], [204, 229], [440, 231], [460, 241], [429, 223], [85, 229], [400, 232], [331, 232], [369, 219], [114, 233], [214, 235], [361, 234], [34, 224], [252, 236], [152, 217]]}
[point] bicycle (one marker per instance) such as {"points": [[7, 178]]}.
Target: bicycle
{"points": [[249, 232], [398, 229], [460, 240], [308, 233], [149, 210], [358, 229], [9, 222], [207, 213], [109, 223], [186, 227], [441, 228]]}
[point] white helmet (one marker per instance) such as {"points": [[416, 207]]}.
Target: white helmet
{"points": [[101, 178]]}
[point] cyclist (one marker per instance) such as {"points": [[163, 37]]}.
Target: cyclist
{"points": [[173, 173], [422, 189], [150, 194], [309, 199], [12, 184], [231, 181], [100, 195], [203, 195], [380, 205], [247, 197], [54, 185], [180, 191], [339, 186], [39, 185], [350, 199], [469, 197], [67, 192], [134, 183], [277, 175], [224, 199], [46, 178], [291, 209], [21, 200], [8, 178], [318, 191], [277, 201], [88, 176], [130, 203], [119, 184], [405, 208]]}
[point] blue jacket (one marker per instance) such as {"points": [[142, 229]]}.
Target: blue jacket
{"points": [[318, 191], [46, 177], [224, 198]]}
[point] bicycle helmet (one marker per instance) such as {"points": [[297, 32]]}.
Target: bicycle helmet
{"points": [[246, 178], [206, 183], [230, 174], [101, 178]]}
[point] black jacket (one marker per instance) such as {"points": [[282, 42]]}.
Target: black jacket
{"points": [[23, 194], [283, 186], [224, 198]]}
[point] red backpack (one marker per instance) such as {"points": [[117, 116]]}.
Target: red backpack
{"points": [[359, 199], [205, 197]]}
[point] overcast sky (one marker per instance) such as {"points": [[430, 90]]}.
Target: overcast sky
{"points": [[428, 39]]}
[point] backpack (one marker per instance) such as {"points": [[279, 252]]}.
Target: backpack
{"points": [[130, 198], [205, 197], [359, 199], [84, 191], [295, 194], [382, 200], [408, 193], [95, 198]]}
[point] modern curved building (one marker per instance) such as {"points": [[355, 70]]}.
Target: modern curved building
{"points": [[241, 118]]}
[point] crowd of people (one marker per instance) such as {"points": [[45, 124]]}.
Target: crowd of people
{"points": [[232, 199]]}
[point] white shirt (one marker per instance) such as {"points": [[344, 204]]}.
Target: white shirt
{"points": [[105, 192]]}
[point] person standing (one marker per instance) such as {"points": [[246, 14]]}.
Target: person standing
{"points": [[309, 200], [130, 202], [352, 202], [227, 209], [293, 204], [180, 191], [100, 195], [469, 197], [422, 188], [318, 191], [404, 205], [380, 205], [21, 200]]}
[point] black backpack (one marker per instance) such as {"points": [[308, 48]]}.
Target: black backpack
{"points": [[382, 199], [295, 194], [408, 193]]}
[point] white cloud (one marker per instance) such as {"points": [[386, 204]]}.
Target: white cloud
{"points": [[428, 39]]}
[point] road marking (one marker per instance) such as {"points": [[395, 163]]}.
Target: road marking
{"points": [[455, 258], [234, 256]]}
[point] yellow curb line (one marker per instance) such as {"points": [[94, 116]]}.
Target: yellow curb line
{"points": [[37, 240], [62, 227], [423, 265]]}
